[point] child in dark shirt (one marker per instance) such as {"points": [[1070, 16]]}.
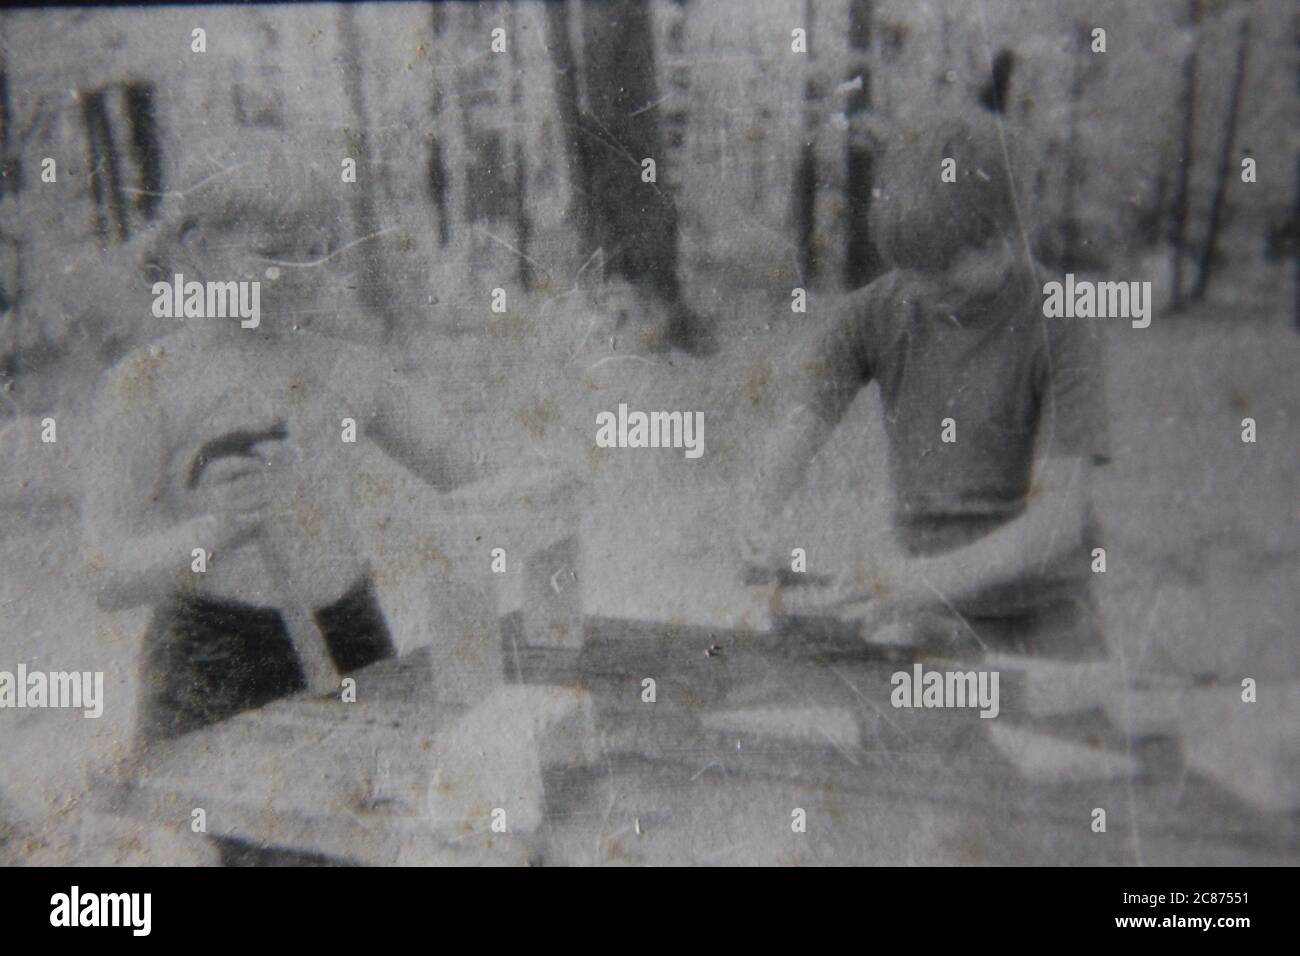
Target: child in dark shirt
{"points": [[993, 414]]}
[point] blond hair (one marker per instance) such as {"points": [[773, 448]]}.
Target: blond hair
{"points": [[275, 191]]}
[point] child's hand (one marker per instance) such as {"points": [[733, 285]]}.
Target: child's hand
{"points": [[253, 489], [886, 597], [225, 532], [896, 601], [819, 597]]}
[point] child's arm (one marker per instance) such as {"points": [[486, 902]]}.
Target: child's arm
{"points": [[130, 556], [1024, 554], [130, 570], [401, 414], [412, 429], [792, 448], [837, 370], [1051, 530]]}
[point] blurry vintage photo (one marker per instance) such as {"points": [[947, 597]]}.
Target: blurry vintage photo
{"points": [[650, 432]]}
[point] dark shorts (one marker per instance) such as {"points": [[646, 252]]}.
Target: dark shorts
{"points": [[207, 660]]}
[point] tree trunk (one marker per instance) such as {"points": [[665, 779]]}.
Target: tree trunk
{"points": [[1183, 190], [522, 220], [104, 162], [10, 158], [372, 290], [564, 67], [1225, 161], [804, 200], [632, 221], [436, 174], [862, 261], [1073, 170]]}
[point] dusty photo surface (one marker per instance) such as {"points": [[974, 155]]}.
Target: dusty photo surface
{"points": [[798, 432]]}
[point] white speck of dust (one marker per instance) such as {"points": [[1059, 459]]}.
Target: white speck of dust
{"points": [[273, 272]]}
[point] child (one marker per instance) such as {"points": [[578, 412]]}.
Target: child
{"points": [[229, 435], [994, 522]]}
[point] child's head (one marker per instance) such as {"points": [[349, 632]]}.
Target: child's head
{"points": [[275, 219], [923, 223]]}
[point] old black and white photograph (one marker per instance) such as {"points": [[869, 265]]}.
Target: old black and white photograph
{"points": [[650, 433]]}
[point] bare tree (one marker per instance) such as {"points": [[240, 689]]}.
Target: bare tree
{"points": [[862, 261], [1294, 225], [804, 198], [1225, 161], [609, 106], [372, 291], [564, 68], [1182, 191]]}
